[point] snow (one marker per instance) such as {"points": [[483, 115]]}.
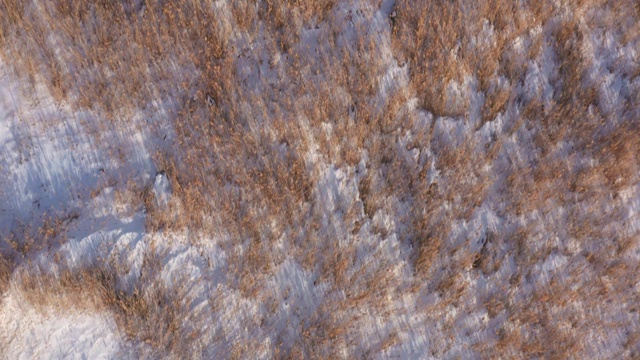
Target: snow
{"points": [[161, 190], [29, 334], [56, 163], [51, 165]]}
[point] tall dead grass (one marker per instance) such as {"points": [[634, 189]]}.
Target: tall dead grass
{"points": [[149, 312], [252, 101], [6, 269]]}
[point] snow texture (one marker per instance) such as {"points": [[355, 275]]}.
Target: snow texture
{"points": [[51, 164]]}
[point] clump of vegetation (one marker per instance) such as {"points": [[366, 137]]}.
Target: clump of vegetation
{"points": [[499, 117]]}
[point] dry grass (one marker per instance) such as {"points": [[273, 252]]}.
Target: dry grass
{"points": [[442, 42], [6, 269], [150, 312], [243, 155]]}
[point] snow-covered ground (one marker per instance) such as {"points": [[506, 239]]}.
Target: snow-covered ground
{"points": [[61, 334], [51, 165], [59, 166]]}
